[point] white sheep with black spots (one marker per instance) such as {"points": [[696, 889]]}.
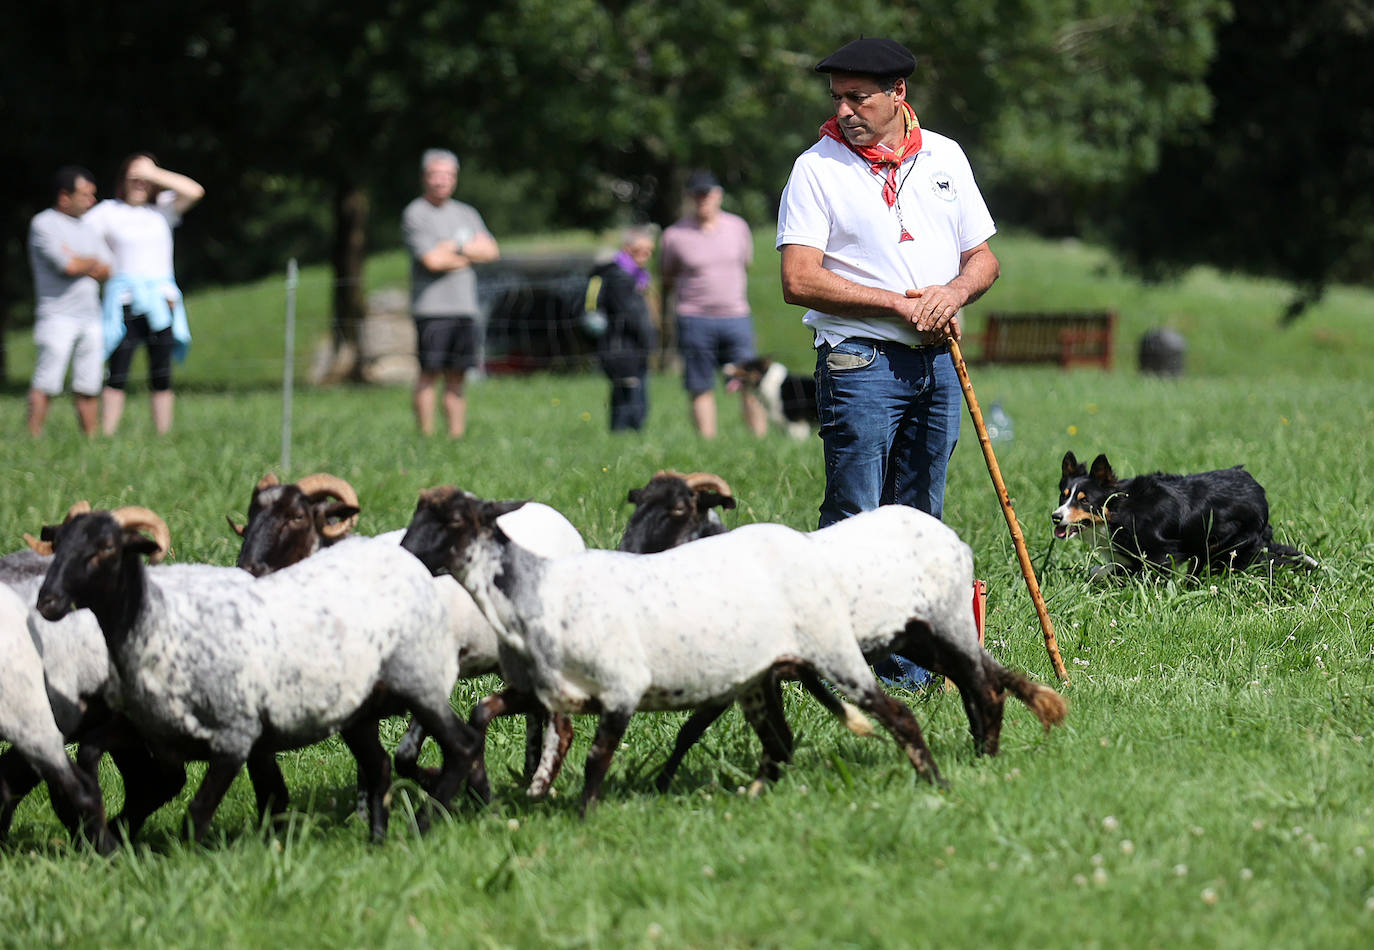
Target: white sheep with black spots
{"points": [[614, 633], [213, 668]]}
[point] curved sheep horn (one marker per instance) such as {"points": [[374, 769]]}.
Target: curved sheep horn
{"points": [[699, 480], [267, 481], [237, 528], [668, 473], [82, 507], [38, 547], [332, 485], [145, 519]]}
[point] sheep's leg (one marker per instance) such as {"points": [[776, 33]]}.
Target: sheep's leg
{"points": [[148, 785], [609, 731], [841, 710], [76, 799], [269, 788], [375, 767], [701, 719], [462, 748], [857, 682], [762, 706], [508, 702], [407, 754], [17, 779], [558, 736], [937, 652], [896, 717], [219, 775], [536, 728]]}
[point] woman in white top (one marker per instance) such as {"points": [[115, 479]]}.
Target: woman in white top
{"points": [[142, 301]]}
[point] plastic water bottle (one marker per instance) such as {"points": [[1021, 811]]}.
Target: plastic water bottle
{"points": [[998, 423]]}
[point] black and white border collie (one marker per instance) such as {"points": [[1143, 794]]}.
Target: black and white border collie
{"points": [[789, 399], [1209, 521]]}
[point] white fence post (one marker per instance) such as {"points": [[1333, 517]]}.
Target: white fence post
{"points": [[289, 369]]}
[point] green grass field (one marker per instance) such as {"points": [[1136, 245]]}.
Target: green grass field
{"points": [[1212, 787]]}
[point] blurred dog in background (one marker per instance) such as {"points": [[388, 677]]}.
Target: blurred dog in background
{"points": [[789, 399]]}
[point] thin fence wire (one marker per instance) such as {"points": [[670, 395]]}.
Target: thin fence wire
{"points": [[529, 323]]}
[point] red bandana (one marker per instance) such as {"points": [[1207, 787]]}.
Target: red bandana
{"points": [[883, 160]]}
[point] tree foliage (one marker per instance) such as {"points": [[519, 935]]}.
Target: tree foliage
{"points": [[299, 117], [1278, 182]]}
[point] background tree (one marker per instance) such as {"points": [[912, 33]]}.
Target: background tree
{"points": [[1278, 182], [301, 118]]}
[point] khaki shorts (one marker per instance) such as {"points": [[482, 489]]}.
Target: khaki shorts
{"points": [[62, 339]]}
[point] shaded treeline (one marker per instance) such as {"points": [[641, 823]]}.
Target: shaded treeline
{"points": [[305, 120]]}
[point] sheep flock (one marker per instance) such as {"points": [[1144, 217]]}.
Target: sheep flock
{"points": [[318, 631]]}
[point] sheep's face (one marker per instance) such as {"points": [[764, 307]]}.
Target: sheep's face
{"points": [[286, 525], [443, 529], [89, 555], [670, 513], [448, 527]]}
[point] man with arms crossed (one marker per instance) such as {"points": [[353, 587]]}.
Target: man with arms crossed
{"points": [[445, 238], [884, 237], [67, 267]]}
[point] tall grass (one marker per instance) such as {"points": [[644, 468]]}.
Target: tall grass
{"points": [[1211, 788]]}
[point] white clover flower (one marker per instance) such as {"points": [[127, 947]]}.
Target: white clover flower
{"points": [[1127, 846], [1180, 870], [1110, 823], [1209, 896], [1100, 876], [513, 824], [1246, 874]]}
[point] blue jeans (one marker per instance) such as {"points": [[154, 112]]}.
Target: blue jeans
{"points": [[889, 423]]}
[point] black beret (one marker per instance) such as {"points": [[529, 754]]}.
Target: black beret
{"points": [[870, 56]]}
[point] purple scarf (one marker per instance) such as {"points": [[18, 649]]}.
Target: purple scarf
{"points": [[625, 262]]}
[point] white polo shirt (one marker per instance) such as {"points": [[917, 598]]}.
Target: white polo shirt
{"points": [[833, 202]]}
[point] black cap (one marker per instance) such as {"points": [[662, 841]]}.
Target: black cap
{"points": [[698, 183], [870, 56]]}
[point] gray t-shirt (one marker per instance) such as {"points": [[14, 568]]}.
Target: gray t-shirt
{"points": [[451, 293], [54, 239]]}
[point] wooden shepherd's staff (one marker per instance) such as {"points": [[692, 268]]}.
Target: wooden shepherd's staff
{"points": [[1022, 555]]}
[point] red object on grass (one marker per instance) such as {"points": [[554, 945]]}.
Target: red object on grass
{"points": [[980, 606]]}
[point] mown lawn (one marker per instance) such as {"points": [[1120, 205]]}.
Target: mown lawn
{"points": [[1211, 788]]}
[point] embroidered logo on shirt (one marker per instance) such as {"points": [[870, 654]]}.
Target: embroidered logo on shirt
{"points": [[943, 186]]}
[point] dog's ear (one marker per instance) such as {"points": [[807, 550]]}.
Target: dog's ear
{"points": [[1069, 467], [1102, 471]]}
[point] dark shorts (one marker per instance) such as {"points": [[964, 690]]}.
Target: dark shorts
{"points": [[160, 347], [446, 343], [710, 342]]}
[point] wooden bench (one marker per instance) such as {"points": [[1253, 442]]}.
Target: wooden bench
{"points": [[1069, 338]]}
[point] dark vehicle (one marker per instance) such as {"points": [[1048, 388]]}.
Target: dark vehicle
{"points": [[534, 308]]}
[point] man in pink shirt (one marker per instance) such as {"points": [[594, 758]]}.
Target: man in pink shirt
{"points": [[705, 260]]}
